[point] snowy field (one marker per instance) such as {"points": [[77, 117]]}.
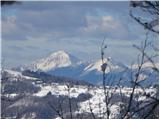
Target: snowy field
{"points": [[96, 102]]}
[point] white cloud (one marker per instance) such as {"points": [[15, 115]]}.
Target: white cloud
{"points": [[108, 23], [91, 24], [104, 25]]}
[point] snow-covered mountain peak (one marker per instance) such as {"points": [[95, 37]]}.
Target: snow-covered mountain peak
{"points": [[111, 65], [54, 60], [60, 53]]}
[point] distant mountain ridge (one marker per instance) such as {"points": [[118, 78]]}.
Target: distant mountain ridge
{"points": [[61, 63]]}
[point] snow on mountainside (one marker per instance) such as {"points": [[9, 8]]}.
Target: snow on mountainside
{"points": [[111, 65], [53, 61], [63, 64], [16, 75], [89, 71], [61, 59]]}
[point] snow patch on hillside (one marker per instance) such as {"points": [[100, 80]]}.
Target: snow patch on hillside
{"points": [[60, 90], [17, 75]]}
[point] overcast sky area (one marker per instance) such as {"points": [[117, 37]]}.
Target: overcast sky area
{"points": [[33, 30]]}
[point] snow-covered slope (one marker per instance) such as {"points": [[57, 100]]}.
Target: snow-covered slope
{"points": [[63, 64], [17, 75], [89, 71], [53, 61], [111, 65]]}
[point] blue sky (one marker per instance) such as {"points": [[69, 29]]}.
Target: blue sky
{"points": [[33, 30]]}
